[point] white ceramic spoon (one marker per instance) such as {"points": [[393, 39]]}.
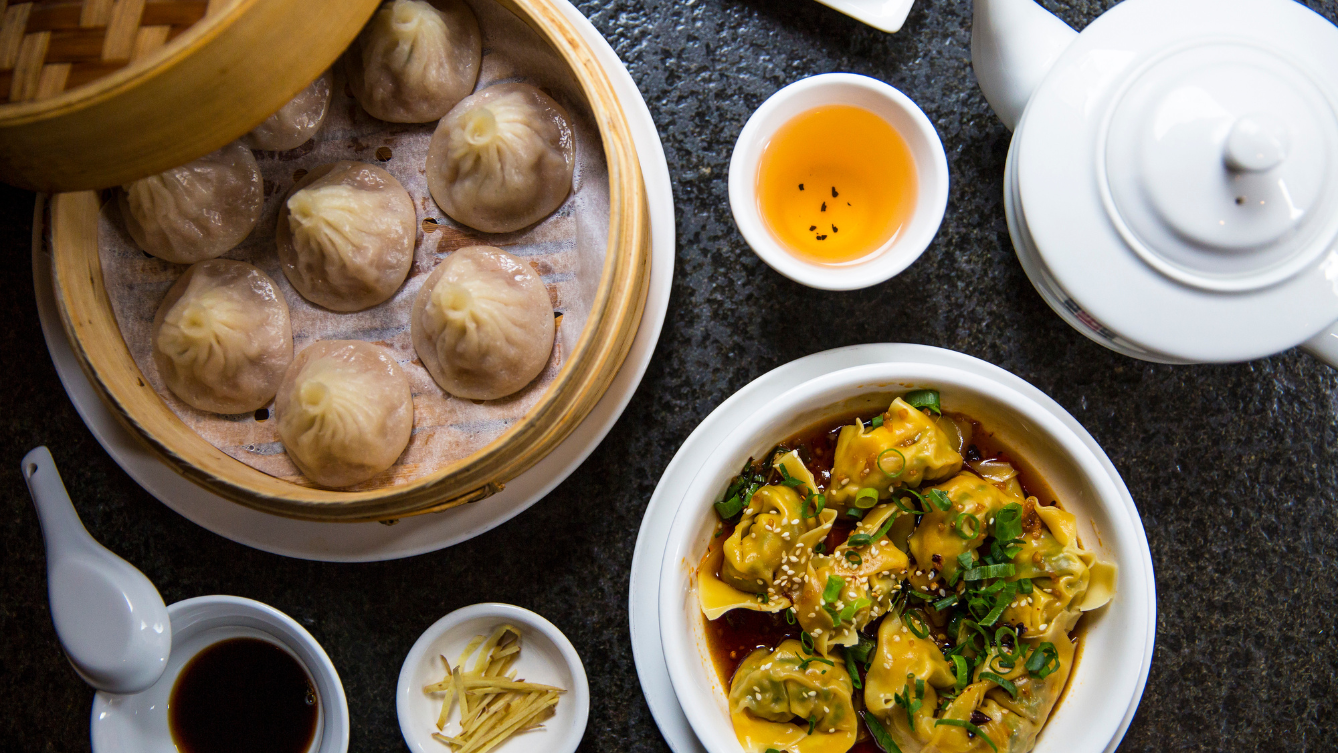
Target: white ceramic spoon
{"points": [[110, 619]]}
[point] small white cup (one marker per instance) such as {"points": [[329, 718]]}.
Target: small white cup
{"points": [[931, 167]]}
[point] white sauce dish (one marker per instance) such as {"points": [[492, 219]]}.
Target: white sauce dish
{"points": [[138, 723], [546, 657]]}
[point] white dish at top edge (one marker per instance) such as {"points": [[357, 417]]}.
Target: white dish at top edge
{"points": [[931, 167], [138, 723], [546, 657], [1106, 682], [883, 15], [371, 542]]}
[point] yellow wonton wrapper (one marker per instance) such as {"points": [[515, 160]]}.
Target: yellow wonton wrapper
{"points": [[774, 694], [876, 578], [928, 452], [761, 565]]}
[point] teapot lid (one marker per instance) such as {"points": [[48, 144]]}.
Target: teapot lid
{"points": [[1178, 170]]}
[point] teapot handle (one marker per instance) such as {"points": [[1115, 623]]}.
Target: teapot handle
{"points": [[1324, 346]]}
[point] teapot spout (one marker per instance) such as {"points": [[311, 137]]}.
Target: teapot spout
{"points": [[1013, 45]]}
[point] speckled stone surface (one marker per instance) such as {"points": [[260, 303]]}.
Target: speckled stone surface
{"points": [[1233, 467]]}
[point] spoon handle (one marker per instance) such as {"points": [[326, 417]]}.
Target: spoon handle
{"points": [[61, 527]]}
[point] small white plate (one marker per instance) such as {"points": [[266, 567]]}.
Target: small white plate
{"points": [[644, 596], [138, 723], [372, 542], [546, 657]]}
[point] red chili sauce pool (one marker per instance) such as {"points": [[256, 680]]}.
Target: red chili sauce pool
{"points": [[737, 633]]}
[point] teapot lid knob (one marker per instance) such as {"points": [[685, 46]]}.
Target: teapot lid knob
{"points": [[1257, 143]]}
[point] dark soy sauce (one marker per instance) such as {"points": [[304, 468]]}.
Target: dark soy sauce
{"points": [[243, 694]]}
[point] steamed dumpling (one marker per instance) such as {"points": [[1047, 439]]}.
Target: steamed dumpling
{"points": [[346, 236], [296, 122], [345, 411], [198, 211], [502, 159], [415, 59], [222, 338], [483, 324]]}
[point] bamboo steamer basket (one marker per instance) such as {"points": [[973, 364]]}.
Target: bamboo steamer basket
{"points": [[97, 93], [87, 315]]}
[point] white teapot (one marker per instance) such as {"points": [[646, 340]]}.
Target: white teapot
{"points": [[1172, 183]]}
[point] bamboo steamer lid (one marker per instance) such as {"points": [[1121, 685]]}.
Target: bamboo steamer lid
{"points": [[97, 93]]}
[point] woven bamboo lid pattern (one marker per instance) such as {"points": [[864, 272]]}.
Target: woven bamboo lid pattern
{"points": [[49, 46], [97, 93]]}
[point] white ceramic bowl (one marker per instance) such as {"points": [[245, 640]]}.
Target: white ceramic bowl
{"points": [[931, 165], [1117, 647], [546, 657], [138, 723]]}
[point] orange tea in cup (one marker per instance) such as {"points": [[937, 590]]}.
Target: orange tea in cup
{"points": [[836, 184]]}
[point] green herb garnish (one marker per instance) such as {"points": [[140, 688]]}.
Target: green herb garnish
{"points": [[924, 399], [969, 727], [879, 463], [880, 736]]}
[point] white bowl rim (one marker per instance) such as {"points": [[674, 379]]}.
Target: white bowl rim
{"points": [[680, 654], [931, 163], [334, 732], [579, 694]]}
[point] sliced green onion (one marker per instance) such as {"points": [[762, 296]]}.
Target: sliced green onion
{"points": [[1024, 586], [729, 508], [921, 596], [786, 478], [938, 498], [953, 577], [764, 598], [1001, 682], [803, 665], [960, 528], [965, 560], [790, 617], [853, 558], [1043, 661], [917, 625], [944, 603], [969, 727], [876, 422], [806, 641], [1001, 663], [959, 664], [864, 650], [993, 615], [924, 399], [880, 736], [821, 548], [855, 513], [990, 571], [812, 722], [848, 613], [859, 539], [1008, 522], [833, 588], [853, 670], [879, 463], [866, 498]]}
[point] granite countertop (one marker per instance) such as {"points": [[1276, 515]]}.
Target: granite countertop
{"points": [[1234, 468]]}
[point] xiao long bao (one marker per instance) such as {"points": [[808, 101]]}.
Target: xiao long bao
{"points": [[345, 411], [346, 236], [482, 324], [296, 122], [415, 59], [222, 337], [197, 211], [502, 159]]}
